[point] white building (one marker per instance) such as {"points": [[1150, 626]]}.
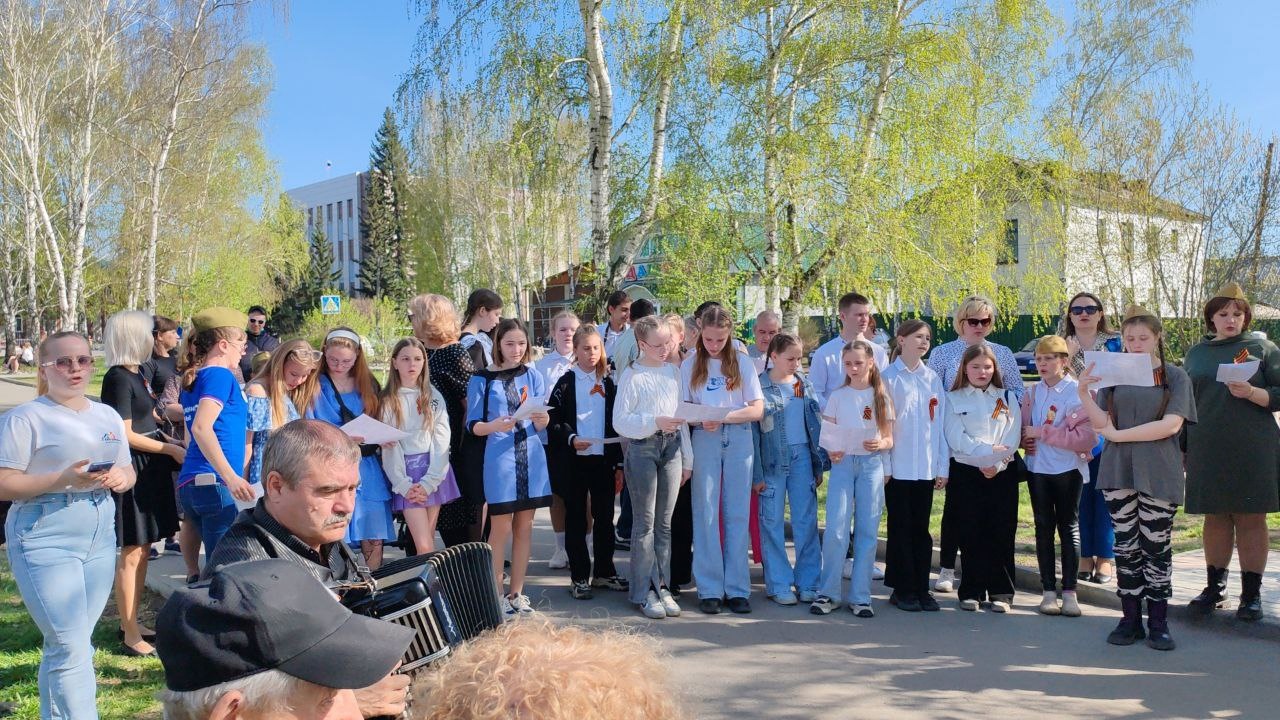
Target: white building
{"points": [[335, 206]]}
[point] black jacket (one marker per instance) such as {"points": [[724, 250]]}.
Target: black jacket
{"points": [[564, 422], [263, 342]]}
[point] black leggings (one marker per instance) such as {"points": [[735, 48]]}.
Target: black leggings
{"points": [[588, 476], [987, 511], [682, 537], [1055, 501]]}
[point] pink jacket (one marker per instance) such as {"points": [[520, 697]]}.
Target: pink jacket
{"points": [[1074, 432]]}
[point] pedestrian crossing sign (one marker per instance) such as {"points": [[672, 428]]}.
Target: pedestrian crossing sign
{"points": [[330, 304]]}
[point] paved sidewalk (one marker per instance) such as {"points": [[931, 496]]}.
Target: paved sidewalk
{"points": [[14, 393]]}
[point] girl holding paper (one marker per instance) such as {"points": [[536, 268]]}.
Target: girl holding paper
{"points": [[515, 466], [914, 467], [418, 465], [1234, 490], [856, 490], [720, 375], [789, 465], [982, 423], [348, 390], [583, 466], [1142, 476]]}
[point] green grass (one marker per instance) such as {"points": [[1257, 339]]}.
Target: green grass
{"points": [[127, 686]]}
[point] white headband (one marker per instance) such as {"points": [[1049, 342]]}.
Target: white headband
{"points": [[342, 334]]}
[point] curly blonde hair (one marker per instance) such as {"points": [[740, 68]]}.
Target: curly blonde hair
{"points": [[435, 319], [541, 671]]}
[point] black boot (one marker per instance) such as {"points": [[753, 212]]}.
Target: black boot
{"points": [[1130, 629], [1250, 609], [1214, 595], [1158, 636]]}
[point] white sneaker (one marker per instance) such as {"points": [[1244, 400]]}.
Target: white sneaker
{"points": [[520, 603], [946, 581], [877, 572], [669, 603], [1070, 608], [653, 607], [848, 568], [508, 611], [1049, 603], [559, 561], [1000, 606], [970, 604]]}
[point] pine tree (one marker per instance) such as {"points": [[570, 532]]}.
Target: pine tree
{"points": [[386, 268], [320, 278]]}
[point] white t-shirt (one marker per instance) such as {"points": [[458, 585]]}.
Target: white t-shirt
{"points": [[715, 390], [552, 366], [42, 436], [851, 407]]}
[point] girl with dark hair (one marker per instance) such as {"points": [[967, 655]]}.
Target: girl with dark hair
{"points": [[484, 310], [1234, 490], [515, 465], [348, 390], [1142, 476]]}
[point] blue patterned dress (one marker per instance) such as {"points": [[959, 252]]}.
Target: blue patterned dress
{"points": [[515, 466]]}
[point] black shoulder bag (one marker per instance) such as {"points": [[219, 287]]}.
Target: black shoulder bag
{"points": [[345, 414]]}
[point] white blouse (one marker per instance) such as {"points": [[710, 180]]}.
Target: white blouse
{"points": [[644, 395], [977, 420]]}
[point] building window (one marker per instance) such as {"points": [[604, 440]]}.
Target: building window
{"points": [[1102, 234], [1126, 240], [339, 221], [1151, 238], [350, 220], [1008, 254]]}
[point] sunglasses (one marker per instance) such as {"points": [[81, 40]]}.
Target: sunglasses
{"points": [[257, 322], [307, 355], [1085, 310], [975, 322], [67, 363]]}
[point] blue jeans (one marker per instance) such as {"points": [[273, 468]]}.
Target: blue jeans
{"points": [[1097, 535], [722, 492], [211, 508], [62, 548], [855, 492], [798, 485]]}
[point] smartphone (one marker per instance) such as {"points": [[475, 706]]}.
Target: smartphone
{"points": [[98, 467]]}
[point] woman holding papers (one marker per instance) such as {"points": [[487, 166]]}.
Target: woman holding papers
{"points": [[515, 466], [1234, 490], [583, 465], [348, 390], [915, 466], [788, 466], [858, 427], [721, 376], [1084, 326], [1142, 475], [418, 465], [983, 422]]}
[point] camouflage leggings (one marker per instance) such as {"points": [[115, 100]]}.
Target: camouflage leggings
{"points": [[1144, 555]]}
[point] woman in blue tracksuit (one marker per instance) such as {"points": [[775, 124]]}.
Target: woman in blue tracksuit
{"points": [[789, 465]]}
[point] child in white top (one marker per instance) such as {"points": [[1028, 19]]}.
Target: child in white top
{"points": [[983, 423], [418, 465], [855, 491], [551, 366], [915, 466], [658, 461]]}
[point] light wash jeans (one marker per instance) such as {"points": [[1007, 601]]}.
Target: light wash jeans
{"points": [[62, 549], [722, 492], [798, 485], [652, 468], [212, 508], [855, 491]]}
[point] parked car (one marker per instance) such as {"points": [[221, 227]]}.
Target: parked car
{"points": [[1026, 358]]}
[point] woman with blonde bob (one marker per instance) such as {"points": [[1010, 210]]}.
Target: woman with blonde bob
{"points": [[544, 671]]}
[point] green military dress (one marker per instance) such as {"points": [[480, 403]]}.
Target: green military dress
{"points": [[1233, 453]]}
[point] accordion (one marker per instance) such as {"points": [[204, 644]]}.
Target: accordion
{"points": [[446, 597]]}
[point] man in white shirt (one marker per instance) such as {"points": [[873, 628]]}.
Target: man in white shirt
{"points": [[826, 370], [619, 310]]}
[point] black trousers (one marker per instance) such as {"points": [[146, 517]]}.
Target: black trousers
{"points": [[1055, 501], [987, 516], [909, 552], [682, 537], [949, 542], [588, 476]]}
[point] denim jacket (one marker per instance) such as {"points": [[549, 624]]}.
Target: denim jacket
{"points": [[772, 446]]}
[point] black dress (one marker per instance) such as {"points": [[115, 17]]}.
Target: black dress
{"points": [[451, 369], [148, 512]]}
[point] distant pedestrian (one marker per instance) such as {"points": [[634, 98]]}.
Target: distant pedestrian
{"points": [[259, 340]]}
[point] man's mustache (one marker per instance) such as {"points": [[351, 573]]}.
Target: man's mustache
{"points": [[337, 519]]}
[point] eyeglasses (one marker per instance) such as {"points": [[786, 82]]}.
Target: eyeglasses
{"points": [[975, 322], [67, 363], [1085, 310]]}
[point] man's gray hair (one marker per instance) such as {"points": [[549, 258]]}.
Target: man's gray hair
{"points": [[296, 447], [769, 315], [267, 692]]}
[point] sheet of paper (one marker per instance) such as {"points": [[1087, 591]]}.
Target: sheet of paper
{"points": [[373, 431], [1120, 368], [257, 493], [600, 441], [981, 461], [848, 440], [693, 412], [529, 407], [1237, 372]]}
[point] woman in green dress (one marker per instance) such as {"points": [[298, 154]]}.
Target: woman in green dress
{"points": [[1234, 490]]}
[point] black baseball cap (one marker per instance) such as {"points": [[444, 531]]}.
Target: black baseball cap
{"points": [[271, 615]]}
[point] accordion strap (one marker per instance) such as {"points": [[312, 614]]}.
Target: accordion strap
{"points": [[362, 570]]}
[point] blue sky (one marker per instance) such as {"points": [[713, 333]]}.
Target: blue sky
{"points": [[338, 63]]}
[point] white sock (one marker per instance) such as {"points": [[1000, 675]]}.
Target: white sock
{"points": [[560, 541]]}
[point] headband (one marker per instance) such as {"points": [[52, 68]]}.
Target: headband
{"points": [[342, 334]]}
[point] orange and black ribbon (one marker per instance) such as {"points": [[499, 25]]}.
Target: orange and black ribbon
{"points": [[1051, 415], [1001, 409], [1242, 356], [933, 405], [866, 413], [1158, 374], [524, 394], [597, 389], [799, 388]]}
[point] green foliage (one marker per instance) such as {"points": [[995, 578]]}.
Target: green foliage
{"points": [[301, 296], [380, 322], [386, 265]]}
